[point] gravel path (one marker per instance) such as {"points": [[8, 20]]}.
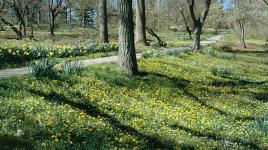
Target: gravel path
{"points": [[25, 70]]}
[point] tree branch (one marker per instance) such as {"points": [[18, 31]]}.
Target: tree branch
{"points": [[266, 2]]}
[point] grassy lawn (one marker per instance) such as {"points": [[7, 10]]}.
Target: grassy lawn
{"points": [[179, 101], [232, 40]]}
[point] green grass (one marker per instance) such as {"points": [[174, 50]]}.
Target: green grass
{"points": [[252, 43], [177, 102]]}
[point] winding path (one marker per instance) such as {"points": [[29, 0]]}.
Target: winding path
{"points": [[25, 70]]}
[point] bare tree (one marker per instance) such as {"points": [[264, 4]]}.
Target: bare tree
{"points": [[54, 10], [103, 22], [127, 53], [5, 21], [198, 22]]}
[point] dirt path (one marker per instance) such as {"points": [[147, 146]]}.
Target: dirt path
{"points": [[25, 70]]}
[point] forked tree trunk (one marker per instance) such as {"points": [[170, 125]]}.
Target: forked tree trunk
{"points": [[140, 22], [198, 21], [127, 53], [103, 22]]}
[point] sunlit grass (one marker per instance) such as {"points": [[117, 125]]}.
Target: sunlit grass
{"points": [[176, 102]]}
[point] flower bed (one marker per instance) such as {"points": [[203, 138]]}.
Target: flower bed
{"points": [[26, 53]]}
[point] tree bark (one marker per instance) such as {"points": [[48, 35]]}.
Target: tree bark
{"points": [[266, 2], [18, 32], [103, 22], [52, 23], [140, 22], [186, 25], [127, 53], [197, 32], [198, 22], [242, 34]]}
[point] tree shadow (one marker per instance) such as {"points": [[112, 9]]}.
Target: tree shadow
{"points": [[246, 52], [152, 142], [262, 96], [11, 142], [216, 137], [216, 109], [236, 82]]}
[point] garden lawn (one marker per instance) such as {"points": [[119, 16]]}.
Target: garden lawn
{"points": [[186, 100]]}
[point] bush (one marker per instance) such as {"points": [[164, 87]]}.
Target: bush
{"points": [[266, 45], [263, 124], [209, 51], [150, 53], [71, 68], [222, 71], [44, 69], [225, 48]]}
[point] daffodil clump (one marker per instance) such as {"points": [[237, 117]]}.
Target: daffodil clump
{"points": [[177, 102], [26, 52]]}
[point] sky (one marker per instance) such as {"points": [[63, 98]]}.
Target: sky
{"points": [[226, 4]]}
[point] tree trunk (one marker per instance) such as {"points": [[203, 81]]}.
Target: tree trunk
{"points": [[140, 22], [52, 24], [103, 22], [18, 32], [242, 34], [189, 32], [39, 17], [32, 31], [186, 25], [197, 37], [198, 21], [127, 53]]}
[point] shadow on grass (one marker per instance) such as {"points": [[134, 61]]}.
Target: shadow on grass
{"points": [[246, 52], [153, 79], [213, 136], [152, 142], [263, 96], [236, 82], [10, 142], [216, 109]]}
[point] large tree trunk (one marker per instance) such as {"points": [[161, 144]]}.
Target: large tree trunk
{"points": [[127, 53], [197, 37], [198, 26], [242, 34], [103, 22], [140, 23]]}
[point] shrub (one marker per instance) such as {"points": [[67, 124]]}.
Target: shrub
{"points": [[174, 53], [209, 51], [263, 124], [225, 48], [71, 68], [150, 53], [266, 45], [44, 69], [222, 71]]}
